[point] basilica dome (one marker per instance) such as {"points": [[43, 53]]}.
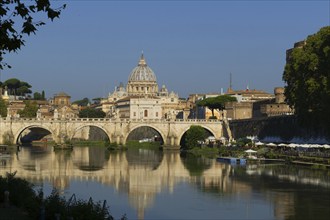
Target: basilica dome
{"points": [[142, 73]]}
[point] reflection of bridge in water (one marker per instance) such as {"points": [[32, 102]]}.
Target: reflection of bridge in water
{"points": [[141, 174], [117, 130]]}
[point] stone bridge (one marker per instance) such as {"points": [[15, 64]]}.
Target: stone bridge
{"points": [[117, 130]]}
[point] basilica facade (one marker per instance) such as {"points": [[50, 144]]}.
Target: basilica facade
{"points": [[142, 99]]}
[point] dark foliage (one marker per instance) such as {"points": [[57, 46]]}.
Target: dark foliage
{"points": [[16, 21], [91, 113], [307, 75]]}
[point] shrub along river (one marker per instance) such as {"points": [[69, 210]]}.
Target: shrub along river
{"points": [[151, 184]]}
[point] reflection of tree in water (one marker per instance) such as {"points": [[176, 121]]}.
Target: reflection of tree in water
{"points": [[296, 191], [144, 157], [195, 165]]}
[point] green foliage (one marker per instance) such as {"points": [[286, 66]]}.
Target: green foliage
{"points": [[194, 135], [16, 21], [243, 142], [143, 145], [82, 102], [29, 111], [97, 100], [216, 102], [307, 75], [3, 108], [17, 87], [91, 113], [21, 193], [39, 96], [24, 197]]}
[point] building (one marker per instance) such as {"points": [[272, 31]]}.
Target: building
{"points": [[58, 107], [60, 99], [142, 99], [276, 106]]}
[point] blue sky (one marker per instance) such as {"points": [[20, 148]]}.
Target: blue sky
{"points": [[192, 46]]}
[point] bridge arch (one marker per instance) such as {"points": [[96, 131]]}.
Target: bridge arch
{"points": [[20, 131], [145, 125], [89, 125], [187, 128]]}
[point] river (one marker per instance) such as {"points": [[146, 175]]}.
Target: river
{"points": [[150, 184]]}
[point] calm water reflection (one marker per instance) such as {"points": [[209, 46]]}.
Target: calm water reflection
{"points": [[148, 184]]}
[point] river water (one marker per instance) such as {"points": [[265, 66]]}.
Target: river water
{"points": [[150, 184]]}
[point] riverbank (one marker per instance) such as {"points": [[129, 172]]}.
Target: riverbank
{"points": [[23, 202], [289, 156], [12, 212]]}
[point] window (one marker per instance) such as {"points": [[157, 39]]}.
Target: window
{"points": [[134, 114], [145, 113], [156, 114]]}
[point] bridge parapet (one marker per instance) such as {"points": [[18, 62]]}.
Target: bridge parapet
{"points": [[116, 129], [109, 120]]}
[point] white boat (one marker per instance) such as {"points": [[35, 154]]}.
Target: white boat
{"points": [[146, 140]]}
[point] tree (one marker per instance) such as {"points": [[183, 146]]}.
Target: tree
{"points": [[12, 85], [3, 108], [29, 111], [23, 90], [39, 96], [307, 78], [17, 87], [97, 100], [194, 135], [82, 102], [16, 21], [91, 113], [216, 102]]}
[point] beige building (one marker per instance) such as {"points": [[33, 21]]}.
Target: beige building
{"points": [[14, 107], [58, 107], [248, 102], [61, 99], [142, 97], [135, 107], [248, 95], [276, 106]]}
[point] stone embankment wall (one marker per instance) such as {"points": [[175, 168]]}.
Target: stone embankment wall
{"points": [[278, 129]]}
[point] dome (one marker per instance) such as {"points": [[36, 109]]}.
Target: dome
{"points": [[142, 72]]}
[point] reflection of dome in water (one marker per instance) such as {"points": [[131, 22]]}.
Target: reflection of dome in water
{"points": [[142, 72], [141, 201]]}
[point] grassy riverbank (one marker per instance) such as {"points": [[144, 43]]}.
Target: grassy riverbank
{"points": [[143, 145], [289, 156], [24, 202]]}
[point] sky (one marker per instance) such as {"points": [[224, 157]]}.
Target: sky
{"points": [[192, 46]]}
